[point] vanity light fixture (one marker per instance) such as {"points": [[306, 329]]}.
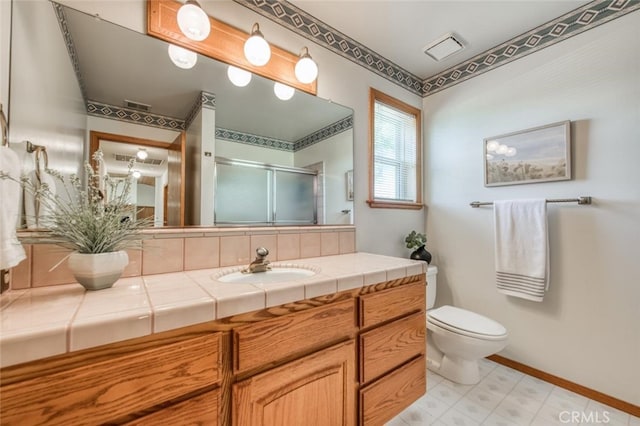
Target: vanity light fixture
{"points": [[238, 77], [306, 69], [181, 57], [142, 154], [283, 92], [136, 174], [256, 48], [193, 21]]}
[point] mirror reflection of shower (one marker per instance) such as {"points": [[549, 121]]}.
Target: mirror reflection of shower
{"points": [[248, 192]]}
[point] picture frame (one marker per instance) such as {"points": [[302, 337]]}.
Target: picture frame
{"points": [[349, 183], [538, 154]]}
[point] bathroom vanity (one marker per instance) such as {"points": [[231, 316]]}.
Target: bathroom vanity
{"points": [[350, 356]]}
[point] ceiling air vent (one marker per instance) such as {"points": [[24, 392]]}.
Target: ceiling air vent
{"points": [[148, 160], [137, 105], [443, 47]]}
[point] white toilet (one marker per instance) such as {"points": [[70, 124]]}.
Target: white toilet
{"points": [[457, 338]]}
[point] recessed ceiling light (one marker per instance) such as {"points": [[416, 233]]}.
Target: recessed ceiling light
{"points": [[443, 47]]}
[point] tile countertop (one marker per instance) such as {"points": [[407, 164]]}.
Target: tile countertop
{"points": [[42, 322]]}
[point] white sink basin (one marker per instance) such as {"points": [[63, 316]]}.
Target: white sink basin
{"points": [[275, 275]]}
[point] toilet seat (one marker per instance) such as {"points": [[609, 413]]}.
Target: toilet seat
{"points": [[466, 323]]}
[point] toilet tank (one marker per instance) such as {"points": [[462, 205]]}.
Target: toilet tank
{"points": [[432, 272]]}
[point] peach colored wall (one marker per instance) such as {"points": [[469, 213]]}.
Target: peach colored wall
{"points": [[174, 250]]}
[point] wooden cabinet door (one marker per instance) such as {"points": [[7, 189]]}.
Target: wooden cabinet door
{"points": [[317, 390]]}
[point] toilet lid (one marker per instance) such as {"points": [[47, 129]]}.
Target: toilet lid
{"points": [[466, 321]]}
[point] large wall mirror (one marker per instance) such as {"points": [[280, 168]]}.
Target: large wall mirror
{"points": [[133, 92]]}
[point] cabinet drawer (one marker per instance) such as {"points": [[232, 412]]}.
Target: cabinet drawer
{"points": [[391, 345], [107, 390], [387, 397], [269, 341], [199, 410], [393, 303]]}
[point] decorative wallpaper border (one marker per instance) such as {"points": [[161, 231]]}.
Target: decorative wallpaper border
{"points": [[71, 48], [251, 139], [324, 133], [582, 19], [310, 27], [204, 100], [114, 112], [573, 23], [281, 145]]}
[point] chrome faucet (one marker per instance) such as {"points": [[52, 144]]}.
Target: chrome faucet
{"points": [[260, 264]]}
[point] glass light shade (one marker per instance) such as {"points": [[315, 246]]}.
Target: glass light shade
{"points": [[283, 92], [502, 149], [306, 70], [256, 48], [193, 21], [136, 174], [182, 58], [142, 154], [238, 77]]}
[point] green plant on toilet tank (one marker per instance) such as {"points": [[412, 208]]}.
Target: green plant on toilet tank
{"points": [[96, 221], [416, 241]]}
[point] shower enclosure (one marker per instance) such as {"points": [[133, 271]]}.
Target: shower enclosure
{"points": [[253, 193]]}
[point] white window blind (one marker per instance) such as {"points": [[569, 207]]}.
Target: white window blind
{"points": [[394, 154]]}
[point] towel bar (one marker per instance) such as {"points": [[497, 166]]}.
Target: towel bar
{"points": [[579, 200], [40, 151]]}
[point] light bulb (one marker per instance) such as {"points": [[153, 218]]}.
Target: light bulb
{"points": [[306, 69], [136, 174], [193, 21], [256, 48], [511, 152], [182, 58], [283, 92], [142, 154], [238, 77], [502, 149]]}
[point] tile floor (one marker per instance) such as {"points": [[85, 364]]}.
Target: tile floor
{"points": [[505, 397]]}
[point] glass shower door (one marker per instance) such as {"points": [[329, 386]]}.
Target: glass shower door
{"points": [[242, 194], [295, 200]]}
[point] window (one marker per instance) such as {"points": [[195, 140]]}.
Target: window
{"points": [[395, 169]]}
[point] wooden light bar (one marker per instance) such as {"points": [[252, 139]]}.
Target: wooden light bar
{"points": [[225, 43]]}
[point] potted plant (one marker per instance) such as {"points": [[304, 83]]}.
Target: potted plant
{"points": [[96, 221], [417, 241]]}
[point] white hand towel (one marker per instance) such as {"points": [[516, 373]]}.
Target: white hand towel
{"points": [[11, 251], [522, 246]]}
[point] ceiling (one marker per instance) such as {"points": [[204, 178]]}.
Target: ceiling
{"points": [[116, 157], [398, 30]]}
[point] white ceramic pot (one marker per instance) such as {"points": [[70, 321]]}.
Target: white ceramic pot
{"points": [[98, 271]]}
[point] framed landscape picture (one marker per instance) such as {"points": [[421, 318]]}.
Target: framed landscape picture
{"points": [[540, 154]]}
